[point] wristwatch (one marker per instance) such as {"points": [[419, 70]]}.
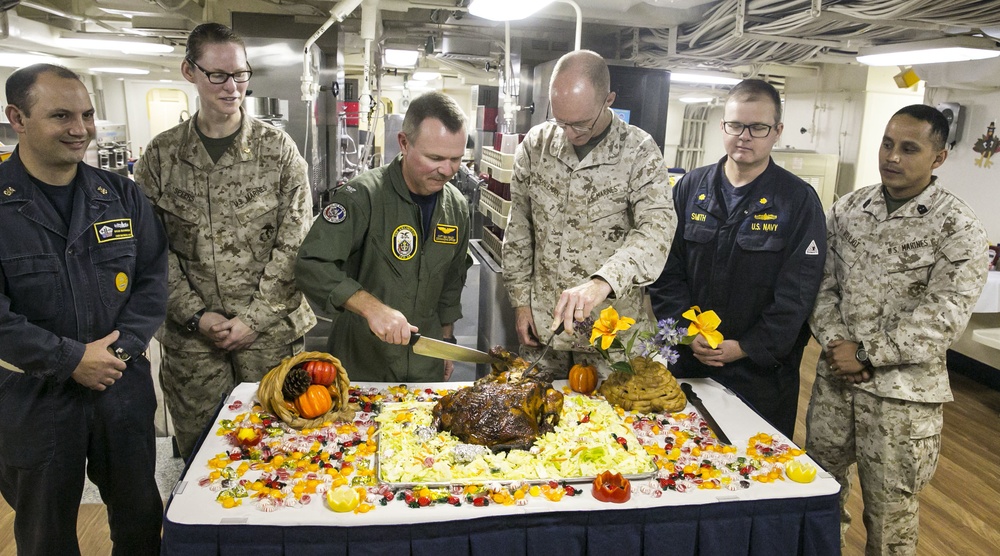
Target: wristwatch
{"points": [[192, 323], [120, 353], [862, 355]]}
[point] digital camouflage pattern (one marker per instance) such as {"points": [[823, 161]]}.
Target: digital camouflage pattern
{"points": [[895, 444], [904, 285], [610, 215], [234, 227]]}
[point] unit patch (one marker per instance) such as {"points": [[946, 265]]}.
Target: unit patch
{"points": [[812, 249], [113, 230], [335, 213], [446, 234], [121, 281], [404, 242]]}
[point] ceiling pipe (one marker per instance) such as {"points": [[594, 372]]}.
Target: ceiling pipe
{"points": [[579, 20], [78, 19], [338, 13]]}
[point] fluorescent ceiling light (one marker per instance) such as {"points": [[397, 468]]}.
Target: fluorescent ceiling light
{"points": [[696, 100], [506, 10], [425, 75], [125, 47], [401, 58], [417, 86], [123, 71], [19, 60], [952, 49], [702, 79]]}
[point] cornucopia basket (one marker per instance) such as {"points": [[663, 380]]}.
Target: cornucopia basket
{"points": [[269, 392]]}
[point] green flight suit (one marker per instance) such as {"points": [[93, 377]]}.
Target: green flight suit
{"points": [[370, 237]]}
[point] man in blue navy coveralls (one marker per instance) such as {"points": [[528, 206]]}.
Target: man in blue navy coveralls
{"points": [[750, 245], [83, 272]]}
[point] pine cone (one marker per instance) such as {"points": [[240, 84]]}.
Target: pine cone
{"points": [[296, 383]]}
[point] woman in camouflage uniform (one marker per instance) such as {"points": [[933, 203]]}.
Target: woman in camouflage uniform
{"points": [[234, 197]]}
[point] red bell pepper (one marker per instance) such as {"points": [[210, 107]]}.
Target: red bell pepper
{"points": [[612, 487]]}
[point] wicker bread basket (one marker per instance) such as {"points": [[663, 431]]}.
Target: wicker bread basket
{"points": [[269, 392]]}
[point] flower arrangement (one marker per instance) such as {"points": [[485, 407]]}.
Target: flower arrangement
{"points": [[605, 339]]}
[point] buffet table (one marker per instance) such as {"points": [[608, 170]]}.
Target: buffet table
{"points": [[781, 517]]}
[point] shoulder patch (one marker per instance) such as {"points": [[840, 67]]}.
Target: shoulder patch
{"points": [[813, 249], [335, 213]]}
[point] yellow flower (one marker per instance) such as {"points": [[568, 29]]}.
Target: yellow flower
{"points": [[608, 326], [704, 324]]}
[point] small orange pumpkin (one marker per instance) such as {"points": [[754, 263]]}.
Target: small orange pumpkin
{"points": [[315, 402], [583, 378]]}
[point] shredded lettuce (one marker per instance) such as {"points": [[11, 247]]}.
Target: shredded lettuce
{"points": [[581, 446]]}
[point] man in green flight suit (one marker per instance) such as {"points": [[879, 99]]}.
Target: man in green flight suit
{"points": [[389, 254]]}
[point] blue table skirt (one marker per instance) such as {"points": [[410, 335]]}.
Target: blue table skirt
{"points": [[808, 526]]}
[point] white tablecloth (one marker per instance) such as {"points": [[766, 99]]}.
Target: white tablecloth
{"points": [[989, 300], [195, 505]]}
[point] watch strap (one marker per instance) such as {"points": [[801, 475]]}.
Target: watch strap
{"points": [[192, 323]]}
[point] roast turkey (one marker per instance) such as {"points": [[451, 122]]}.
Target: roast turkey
{"points": [[504, 410]]}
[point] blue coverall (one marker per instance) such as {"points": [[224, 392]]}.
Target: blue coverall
{"points": [[758, 266], [61, 288]]}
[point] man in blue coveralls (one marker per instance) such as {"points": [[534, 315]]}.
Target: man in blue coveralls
{"points": [[83, 273], [750, 245]]}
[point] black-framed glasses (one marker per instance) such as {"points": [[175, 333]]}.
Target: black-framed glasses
{"points": [[220, 77], [756, 130], [577, 127]]}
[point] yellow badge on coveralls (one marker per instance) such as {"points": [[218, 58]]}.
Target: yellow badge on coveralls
{"points": [[446, 234], [121, 281], [404, 242], [113, 230]]}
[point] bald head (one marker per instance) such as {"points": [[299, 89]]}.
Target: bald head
{"points": [[578, 73]]}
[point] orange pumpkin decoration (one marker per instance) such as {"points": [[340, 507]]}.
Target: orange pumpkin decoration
{"points": [[315, 402], [583, 378]]}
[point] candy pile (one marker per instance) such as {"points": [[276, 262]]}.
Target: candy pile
{"points": [[689, 456]]}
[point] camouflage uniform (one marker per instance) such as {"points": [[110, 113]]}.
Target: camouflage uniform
{"points": [[370, 237], [609, 216], [904, 285], [235, 227]]}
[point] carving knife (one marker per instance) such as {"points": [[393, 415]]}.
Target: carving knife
{"points": [[705, 414], [438, 349], [9, 367]]}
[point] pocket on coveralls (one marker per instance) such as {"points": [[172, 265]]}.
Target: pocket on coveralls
{"points": [[114, 265], [33, 286]]}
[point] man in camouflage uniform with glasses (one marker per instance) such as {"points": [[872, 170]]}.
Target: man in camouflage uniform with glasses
{"points": [[907, 263], [591, 215]]}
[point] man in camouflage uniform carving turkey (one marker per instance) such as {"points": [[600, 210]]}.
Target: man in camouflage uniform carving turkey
{"points": [[234, 197], [907, 263], [591, 216]]}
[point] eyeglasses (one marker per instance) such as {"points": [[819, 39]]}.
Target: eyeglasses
{"points": [[220, 77], [756, 130], [577, 127]]}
